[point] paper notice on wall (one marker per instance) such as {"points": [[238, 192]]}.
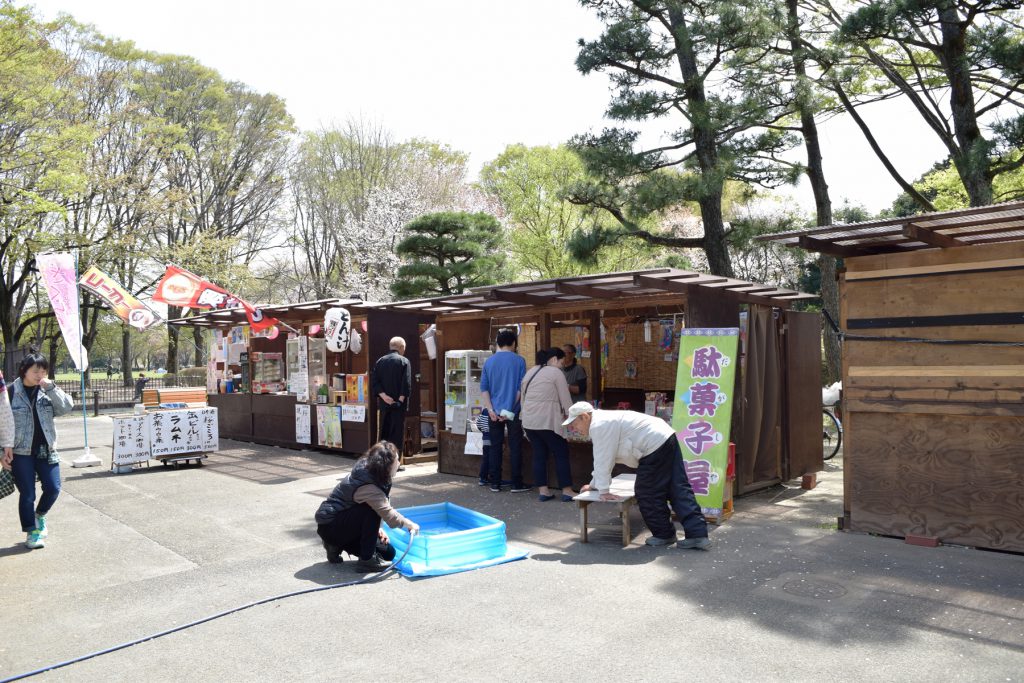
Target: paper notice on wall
{"points": [[353, 413], [303, 417]]}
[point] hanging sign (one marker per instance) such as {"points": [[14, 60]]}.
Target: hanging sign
{"points": [[336, 329], [702, 414]]}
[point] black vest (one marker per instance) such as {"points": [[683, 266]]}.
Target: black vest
{"points": [[343, 495]]}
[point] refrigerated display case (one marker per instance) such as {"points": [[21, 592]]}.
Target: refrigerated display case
{"points": [[462, 373]]}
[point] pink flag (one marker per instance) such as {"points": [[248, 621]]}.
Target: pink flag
{"points": [[61, 280]]}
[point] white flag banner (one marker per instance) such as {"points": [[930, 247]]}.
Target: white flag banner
{"points": [[61, 281]]}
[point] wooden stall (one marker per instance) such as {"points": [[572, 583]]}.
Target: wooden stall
{"points": [[933, 373], [265, 412], [782, 354]]}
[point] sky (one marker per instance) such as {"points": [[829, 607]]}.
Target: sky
{"points": [[477, 75]]}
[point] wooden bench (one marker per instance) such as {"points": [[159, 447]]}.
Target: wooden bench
{"points": [[622, 486]]}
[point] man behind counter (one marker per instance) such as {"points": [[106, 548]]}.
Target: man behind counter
{"points": [[575, 375]]}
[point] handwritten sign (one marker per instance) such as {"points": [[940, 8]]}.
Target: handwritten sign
{"points": [[131, 440], [173, 432]]}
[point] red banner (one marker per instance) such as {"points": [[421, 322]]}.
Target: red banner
{"points": [[187, 290]]}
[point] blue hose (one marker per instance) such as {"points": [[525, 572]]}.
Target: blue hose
{"points": [[366, 579]]}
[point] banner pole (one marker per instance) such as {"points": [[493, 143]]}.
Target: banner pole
{"points": [[86, 459]]}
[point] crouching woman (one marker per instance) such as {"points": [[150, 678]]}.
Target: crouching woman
{"points": [[349, 520]]}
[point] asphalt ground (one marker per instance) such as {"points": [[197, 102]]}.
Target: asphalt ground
{"points": [[781, 596]]}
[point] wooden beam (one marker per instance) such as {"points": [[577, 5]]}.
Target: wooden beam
{"points": [[825, 247], [586, 290], [935, 239], [520, 297]]}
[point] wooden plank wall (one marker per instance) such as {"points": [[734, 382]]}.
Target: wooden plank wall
{"points": [[934, 433]]}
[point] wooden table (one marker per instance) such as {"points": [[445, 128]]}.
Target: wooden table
{"points": [[622, 486]]}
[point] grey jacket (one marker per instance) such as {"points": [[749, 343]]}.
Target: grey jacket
{"points": [[49, 404]]}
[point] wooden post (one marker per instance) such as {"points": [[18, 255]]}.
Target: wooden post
{"points": [[595, 356]]}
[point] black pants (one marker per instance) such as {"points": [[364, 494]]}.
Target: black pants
{"points": [[392, 426], [661, 477], [514, 429], [355, 531]]}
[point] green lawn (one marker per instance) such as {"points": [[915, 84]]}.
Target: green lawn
{"points": [[102, 374]]}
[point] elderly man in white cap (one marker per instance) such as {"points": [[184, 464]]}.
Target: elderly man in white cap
{"points": [[650, 445]]}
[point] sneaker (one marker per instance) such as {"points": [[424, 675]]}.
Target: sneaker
{"points": [[41, 526], [34, 540], [482, 482], [374, 564], [701, 543], [655, 541], [521, 488], [333, 553], [496, 488]]}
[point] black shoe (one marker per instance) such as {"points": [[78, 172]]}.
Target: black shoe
{"points": [[333, 553], [374, 564], [521, 488], [496, 488]]}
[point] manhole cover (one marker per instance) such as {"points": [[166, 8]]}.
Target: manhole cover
{"points": [[814, 588]]}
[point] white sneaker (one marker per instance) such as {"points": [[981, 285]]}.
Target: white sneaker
{"points": [[34, 540]]}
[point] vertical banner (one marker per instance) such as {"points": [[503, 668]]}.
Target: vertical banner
{"points": [[61, 281], [702, 415]]}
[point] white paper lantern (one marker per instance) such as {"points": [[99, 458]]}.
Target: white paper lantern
{"points": [[336, 329]]}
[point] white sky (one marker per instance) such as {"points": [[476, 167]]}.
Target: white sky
{"points": [[475, 74]]}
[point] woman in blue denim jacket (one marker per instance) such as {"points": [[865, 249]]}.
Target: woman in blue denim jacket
{"points": [[35, 401]]}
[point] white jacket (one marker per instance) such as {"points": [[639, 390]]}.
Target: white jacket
{"points": [[623, 436]]}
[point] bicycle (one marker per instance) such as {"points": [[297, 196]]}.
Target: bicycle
{"points": [[831, 433]]}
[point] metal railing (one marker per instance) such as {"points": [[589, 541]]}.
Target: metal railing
{"points": [[111, 393]]}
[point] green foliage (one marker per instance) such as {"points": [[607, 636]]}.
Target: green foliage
{"points": [[531, 184], [449, 253], [693, 61]]}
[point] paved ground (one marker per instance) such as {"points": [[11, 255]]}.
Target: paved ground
{"points": [[782, 596]]}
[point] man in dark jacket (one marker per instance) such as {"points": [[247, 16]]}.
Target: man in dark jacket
{"points": [[392, 384]]}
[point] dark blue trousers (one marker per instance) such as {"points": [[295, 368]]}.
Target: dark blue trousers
{"points": [[543, 442], [25, 468], [661, 477]]}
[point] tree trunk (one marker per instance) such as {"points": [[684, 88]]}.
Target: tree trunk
{"points": [[172, 340], [710, 199], [126, 356], [973, 161], [197, 338], [54, 347], [822, 200]]}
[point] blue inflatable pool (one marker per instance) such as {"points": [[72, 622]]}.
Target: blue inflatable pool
{"points": [[451, 539]]}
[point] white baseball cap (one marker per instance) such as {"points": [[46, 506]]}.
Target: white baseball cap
{"points": [[577, 409]]}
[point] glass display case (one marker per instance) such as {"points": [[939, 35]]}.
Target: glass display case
{"points": [[318, 379], [462, 373], [267, 372]]}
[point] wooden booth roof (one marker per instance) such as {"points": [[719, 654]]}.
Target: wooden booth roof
{"points": [[604, 290], [963, 227], [287, 313]]}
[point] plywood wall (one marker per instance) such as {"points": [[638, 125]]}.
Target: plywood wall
{"points": [[934, 433]]}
